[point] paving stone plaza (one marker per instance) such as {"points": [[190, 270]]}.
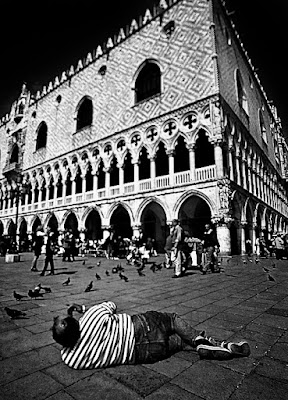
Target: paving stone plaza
{"points": [[241, 302]]}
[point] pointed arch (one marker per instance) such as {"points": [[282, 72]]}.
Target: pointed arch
{"points": [[41, 138], [147, 80], [84, 112]]}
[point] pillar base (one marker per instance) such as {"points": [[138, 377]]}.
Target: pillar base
{"points": [[10, 258]]}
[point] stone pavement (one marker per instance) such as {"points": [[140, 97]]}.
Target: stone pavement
{"points": [[241, 302]]}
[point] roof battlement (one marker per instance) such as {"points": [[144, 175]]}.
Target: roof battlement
{"points": [[124, 33]]}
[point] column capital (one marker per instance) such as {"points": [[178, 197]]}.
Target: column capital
{"points": [[222, 220]]}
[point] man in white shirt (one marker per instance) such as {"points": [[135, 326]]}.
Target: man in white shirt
{"points": [[102, 338]]}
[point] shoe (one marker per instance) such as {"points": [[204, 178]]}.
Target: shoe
{"points": [[34, 270], [213, 352], [42, 274], [50, 273], [203, 339], [240, 349], [177, 276]]}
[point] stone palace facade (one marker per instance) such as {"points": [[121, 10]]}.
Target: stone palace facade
{"points": [[167, 119]]}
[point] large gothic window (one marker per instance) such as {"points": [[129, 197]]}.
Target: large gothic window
{"points": [[14, 155], [148, 82], [41, 140], [85, 114], [241, 92]]}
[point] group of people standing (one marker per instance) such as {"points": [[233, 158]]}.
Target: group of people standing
{"points": [[183, 250], [277, 245]]}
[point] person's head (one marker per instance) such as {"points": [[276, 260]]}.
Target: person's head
{"points": [[66, 331], [175, 222], [207, 227]]}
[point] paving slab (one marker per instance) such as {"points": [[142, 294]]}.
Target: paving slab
{"points": [[239, 303]]}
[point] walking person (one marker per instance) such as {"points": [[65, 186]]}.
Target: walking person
{"points": [[37, 247], [67, 241], [279, 247], [211, 249], [49, 249], [101, 338], [177, 257]]}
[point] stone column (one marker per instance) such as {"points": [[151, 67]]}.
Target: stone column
{"points": [[95, 182], [243, 241], [191, 149], [107, 181], [231, 167], [152, 171], [218, 154], [224, 237], [136, 177], [238, 169], [73, 188], [83, 183], [64, 189], [121, 177], [106, 232], [170, 154]]}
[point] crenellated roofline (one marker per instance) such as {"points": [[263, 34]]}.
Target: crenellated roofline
{"points": [[136, 25]]}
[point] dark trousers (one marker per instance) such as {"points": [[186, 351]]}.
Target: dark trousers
{"points": [[48, 259], [158, 335]]}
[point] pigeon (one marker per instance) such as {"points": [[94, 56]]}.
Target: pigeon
{"points": [[18, 296], [83, 263], [270, 277], [265, 269], [89, 287], [98, 277], [159, 267], [65, 283], [34, 294], [12, 313], [251, 261], [107, 273], [46, 289], [256, 260], [98, 263], [125, 278], [153, 267], [38, 288], [121, 276]]}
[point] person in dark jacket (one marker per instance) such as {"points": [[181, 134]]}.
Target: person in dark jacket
{"points": [[211, 249]]}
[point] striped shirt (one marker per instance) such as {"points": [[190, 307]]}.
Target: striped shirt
{"points": [[105, 339]]}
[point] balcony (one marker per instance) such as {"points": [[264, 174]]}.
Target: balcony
{"points": [[143, 186]]}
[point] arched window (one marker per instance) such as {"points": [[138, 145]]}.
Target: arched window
{"points": [[144, 164], [181, 156], [14, 158], [85, 114], [128, 168], [204, 151], [262, 126], [162, 163], [148, 82], [241, 92], [41, 140]]}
